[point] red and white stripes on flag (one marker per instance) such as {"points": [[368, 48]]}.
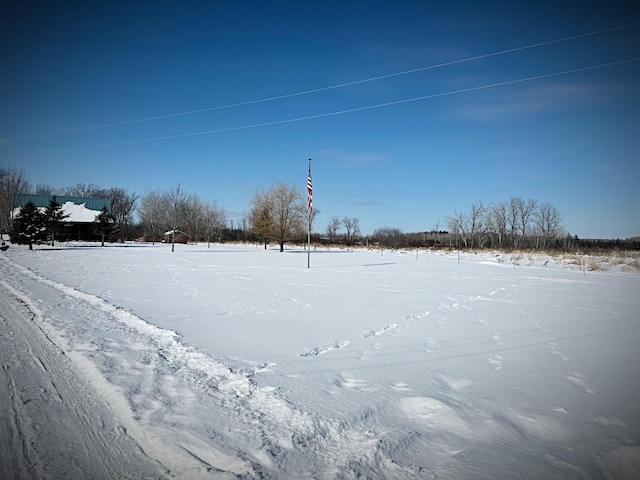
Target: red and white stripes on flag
{"points": [[310, 194]]}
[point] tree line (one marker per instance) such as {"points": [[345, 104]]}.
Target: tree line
{"points": [[516, 223], [279, 214], [173, 211]]}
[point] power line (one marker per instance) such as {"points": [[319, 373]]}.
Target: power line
{"points": [[333, 87], [371, 107]]}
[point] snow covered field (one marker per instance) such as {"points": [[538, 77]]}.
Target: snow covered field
{"points": [[236, 362]]}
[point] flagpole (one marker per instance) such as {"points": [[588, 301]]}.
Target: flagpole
{"points": [[310, 210]]}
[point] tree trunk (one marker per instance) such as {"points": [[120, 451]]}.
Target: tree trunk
{"points": [[282, 246]]}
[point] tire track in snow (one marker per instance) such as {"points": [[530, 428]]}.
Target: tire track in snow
{"points": [[53, 426], [233, 426]]}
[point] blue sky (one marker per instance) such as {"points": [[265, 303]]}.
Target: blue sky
{"points": [[457, 137]]}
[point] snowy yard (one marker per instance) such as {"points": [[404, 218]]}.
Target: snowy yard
{"points": [[236, 362]]}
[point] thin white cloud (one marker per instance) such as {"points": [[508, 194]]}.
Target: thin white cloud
{"points": [[535, 100], [352, 159], [367, 203]]}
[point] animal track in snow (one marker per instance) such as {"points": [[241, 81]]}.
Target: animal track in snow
{"points": [[345, 380], [400, 387], [578, 380], [455, 384], [380, 331], [430, 344], [539, 327], [325, 348], [412, 316], [609, 422], [553, 350], [495, 361], [482, 321]]}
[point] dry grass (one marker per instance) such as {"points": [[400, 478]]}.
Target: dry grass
{"points": [[601, 261], [594, 264]]}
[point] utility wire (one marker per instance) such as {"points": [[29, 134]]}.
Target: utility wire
{"points": [[371, 107], [333, 87]]}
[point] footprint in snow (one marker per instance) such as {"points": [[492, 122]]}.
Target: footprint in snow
{"points": [[525, 313], [578, 380], [609, 422], [325, 348], [344, 380], [482, 321], [455, 384], [417, 315], [380, 331], [430, 345], [553, 350], [400, 387], [539, 327], [495, 361]]}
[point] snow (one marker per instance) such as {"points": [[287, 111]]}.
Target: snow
{"points": [[76, 213], [132, 361]]}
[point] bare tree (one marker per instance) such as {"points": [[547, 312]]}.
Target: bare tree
{"points": [[193, 211], [526, 212], [278, 214], [459, 225], [174, 204], [332, 229], [548, 222], [123, 205], [214, 220], [244, 221], [314, 215], [497, 221], [12, 182], [476, 223], [86, 190], [44, 189], [388, 237], [512, 219], [352, 227], [151, 213]]}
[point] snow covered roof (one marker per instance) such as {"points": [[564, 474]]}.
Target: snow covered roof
{"points": [[79, 209]]}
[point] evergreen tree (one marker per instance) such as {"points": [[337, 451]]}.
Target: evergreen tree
{"points": [[28, 226], [104, 224], [54, 218]]}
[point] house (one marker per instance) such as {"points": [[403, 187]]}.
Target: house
{"points": [[81, 213], [179, 237]]}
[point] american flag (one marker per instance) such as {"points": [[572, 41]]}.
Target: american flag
{"points": [[310, 193]]}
